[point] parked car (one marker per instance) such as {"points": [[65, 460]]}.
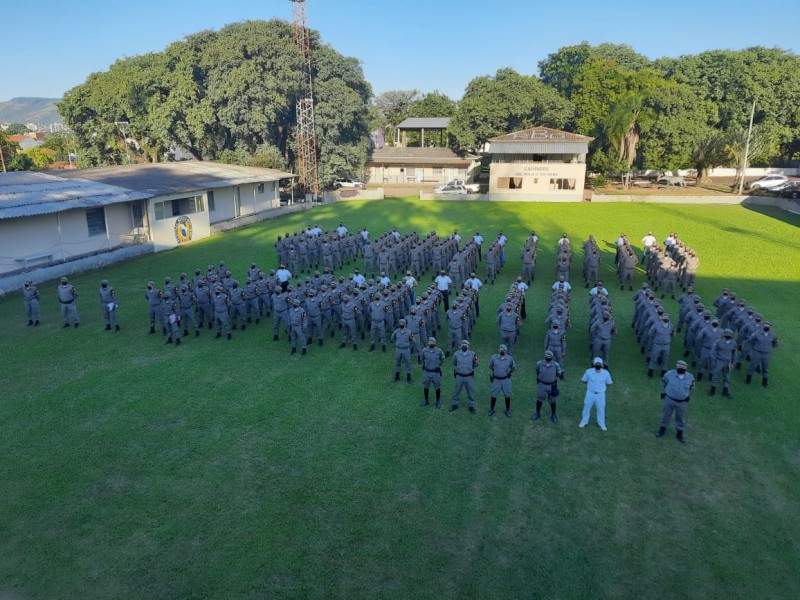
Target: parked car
{"points": [[450, 188], [347, 182], [472, 188], [791, 190], [768, 182]]}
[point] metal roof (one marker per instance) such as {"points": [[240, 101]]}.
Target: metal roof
{"points": [[428, 156], [160, 179], [541, 135], [538, 148], [28, 194], [425, 123]]}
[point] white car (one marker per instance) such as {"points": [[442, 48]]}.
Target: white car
{"points": [[768, 182], [346, 182], [450, 188]]}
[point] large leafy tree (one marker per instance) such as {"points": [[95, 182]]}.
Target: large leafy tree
{"points": [[506, 102], [227, 94]]}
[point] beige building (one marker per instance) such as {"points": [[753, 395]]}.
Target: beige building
{"points": [[538, 164], [71, 216], [420, 166]]}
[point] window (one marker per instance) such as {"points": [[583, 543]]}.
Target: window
{"points": [[180, 206], [137, 213], [210, 196], [562, 184], [260, 188], [509, 183], [96, 221]]}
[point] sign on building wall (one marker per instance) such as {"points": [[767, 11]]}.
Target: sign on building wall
{"points": [[183, 229]]}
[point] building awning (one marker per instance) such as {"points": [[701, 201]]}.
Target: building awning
{"points": [[433, 157], [425, 123], [538, 148]]}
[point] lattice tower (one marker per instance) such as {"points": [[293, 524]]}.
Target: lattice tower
{"points": [[307, 165]]}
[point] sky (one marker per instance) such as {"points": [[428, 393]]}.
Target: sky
{"points": [[427, 45]]}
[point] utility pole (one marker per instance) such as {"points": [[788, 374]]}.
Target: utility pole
{"points": [[747, 148], [307, 166]]}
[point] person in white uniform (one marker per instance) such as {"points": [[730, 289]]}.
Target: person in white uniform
{"points": [[597, 380]]}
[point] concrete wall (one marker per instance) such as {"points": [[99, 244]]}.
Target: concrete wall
{"points": [[393, 174], [224, 226], [351, 194], [536, 179], [251, 201], [15, 282]]}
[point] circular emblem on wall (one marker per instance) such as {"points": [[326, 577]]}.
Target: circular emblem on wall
{"points": [[183, 229]]}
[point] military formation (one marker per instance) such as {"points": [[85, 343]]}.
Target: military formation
{"points": [[383, 302]]}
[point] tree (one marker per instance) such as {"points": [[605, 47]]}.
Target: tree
{"points": [[41, 158], [504, 103], [17, 129], [708, 150], [394, 104], [228, 94], [736, 145]]}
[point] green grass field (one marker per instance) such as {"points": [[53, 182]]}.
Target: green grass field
{"points": [[131, 469]]}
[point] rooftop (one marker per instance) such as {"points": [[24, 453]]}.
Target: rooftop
{"points": [[541, 135], [437, 156], [425, 123]]}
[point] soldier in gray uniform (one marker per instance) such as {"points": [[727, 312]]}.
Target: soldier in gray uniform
{"points": [[432, 360], [153, 297], [66, 296], [30, 297], [297, 326], [280, 312], [186, 299], [705, 339], [377, 314], [238, 305], [465, 361], [548, 371], [251, 294], [501, 367], [723, 356], [455, 327], [761, 343], [170, 310], [600, 333], [508, 322], [108, 302], [314, 315], [349, 312], [221, 318], [203, 296], [661, 337], [402, 338], [555, 342], [678, 385]]}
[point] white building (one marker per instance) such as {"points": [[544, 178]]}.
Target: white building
{"points": [[63, 216]]}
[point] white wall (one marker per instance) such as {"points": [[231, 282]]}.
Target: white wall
{"points": [[536, 178], [163, 232], [250, 201]]}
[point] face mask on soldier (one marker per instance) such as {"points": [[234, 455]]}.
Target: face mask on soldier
{"points": [[681, 370]]}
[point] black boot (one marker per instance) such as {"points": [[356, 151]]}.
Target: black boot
{"points": [[650, 373], [185, 332], [425, 393], [115, 329], [680, 437], [229, 336], [713, 390], [749, 378], [169, 341], [163, 331], [725, 392], [355, 347], [210, 325], [275, 337], [303, 351], [694, 363], [320, 341], [383, 347], [699, 375], [408, 377], [537, 415], [108, 327], [197, 333], [553, 417], [294, 351], [396, 376], [219, 335], [508, 407], [491, 408], [36, 324], [372, 347], [342, 345], [438, 398], [685, 354], [764, 382], [30, 322], [661, 431], [177, 341], [244, 326], [738, 366]]}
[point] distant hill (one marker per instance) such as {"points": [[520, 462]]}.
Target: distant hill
{"points": [[30, 110]]}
